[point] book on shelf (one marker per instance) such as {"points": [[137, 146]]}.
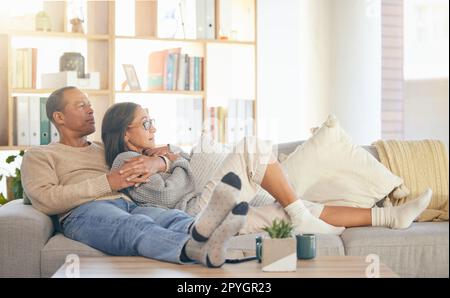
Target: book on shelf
{"points": [[32, 126], [169, 67], [24, 68], [172, 70], [232, 123], [156, 68]]}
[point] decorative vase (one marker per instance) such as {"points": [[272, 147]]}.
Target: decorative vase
{"points": [[72, 62], [279, 254], [43, 22]]}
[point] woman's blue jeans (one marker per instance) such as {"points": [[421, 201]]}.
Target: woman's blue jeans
{"points": [[119, 227]]}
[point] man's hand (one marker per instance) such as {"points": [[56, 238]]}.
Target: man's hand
{"points": [[118, 181], [135, 171], [139, 169]]}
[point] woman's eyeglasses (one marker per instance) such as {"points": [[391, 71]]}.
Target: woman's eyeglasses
{"points": [[147, 124]]}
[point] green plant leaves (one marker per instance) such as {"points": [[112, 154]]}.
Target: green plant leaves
{"points": [[2, 199], [279, 229], [16, 186], [11, 159]]}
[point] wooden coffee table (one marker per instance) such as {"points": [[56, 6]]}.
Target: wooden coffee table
{"points": [[339, 267]]}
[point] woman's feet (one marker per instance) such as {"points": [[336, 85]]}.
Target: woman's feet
{"points": [[401, 217], [306, 223], [221, 220]]}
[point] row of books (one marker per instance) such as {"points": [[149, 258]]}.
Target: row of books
{"points": [[32, 126], [171, 70], [24, 68], [231, 124]]}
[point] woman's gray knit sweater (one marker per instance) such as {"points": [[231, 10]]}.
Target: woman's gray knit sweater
{"points": [[180, 187]]}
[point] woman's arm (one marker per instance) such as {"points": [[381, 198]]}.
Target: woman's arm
{"points": [[163, 189]]}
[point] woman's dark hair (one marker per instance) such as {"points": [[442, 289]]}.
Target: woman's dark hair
{"points": [[114, 126]]}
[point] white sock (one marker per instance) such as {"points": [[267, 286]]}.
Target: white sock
{"points": [[401, 217], [305, 223]]}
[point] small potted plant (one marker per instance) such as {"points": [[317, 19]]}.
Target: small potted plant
{"points": [[279, 252], [13, 181]]}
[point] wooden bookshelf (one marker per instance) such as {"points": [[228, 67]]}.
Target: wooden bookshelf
{"points": [[103, 54]]}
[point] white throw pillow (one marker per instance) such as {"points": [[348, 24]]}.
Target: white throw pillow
{"points": [[329, 169]]}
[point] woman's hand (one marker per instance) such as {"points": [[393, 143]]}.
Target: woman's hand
{"points": [[157, 151], [172, 156]]}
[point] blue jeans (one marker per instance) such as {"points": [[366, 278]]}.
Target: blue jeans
{"points": [[120, 227]]}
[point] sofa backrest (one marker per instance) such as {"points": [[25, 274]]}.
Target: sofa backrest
{"points": [[288, 148]]}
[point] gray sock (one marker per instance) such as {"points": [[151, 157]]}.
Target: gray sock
{"points": [[213, 252], [223, 199]]}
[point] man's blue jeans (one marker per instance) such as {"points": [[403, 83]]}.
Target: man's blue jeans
{"points": [[120, 227]]}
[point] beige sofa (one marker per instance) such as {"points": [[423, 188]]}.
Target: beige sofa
{"points": [[30, 247]]}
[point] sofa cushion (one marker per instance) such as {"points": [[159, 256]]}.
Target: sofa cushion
{"points": [[419, 251], [329, 169], [24, 231], [54, 254]]}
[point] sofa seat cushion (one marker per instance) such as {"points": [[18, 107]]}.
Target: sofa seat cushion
{"points": [[419, 251], [53, 255]]}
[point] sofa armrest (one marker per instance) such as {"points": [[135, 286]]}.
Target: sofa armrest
{"points": [[24, 231]]}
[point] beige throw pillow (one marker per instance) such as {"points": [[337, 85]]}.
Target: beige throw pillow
{"points": [[329, 169]]}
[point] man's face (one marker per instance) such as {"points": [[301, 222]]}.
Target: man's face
{"points": [[77, 115]]}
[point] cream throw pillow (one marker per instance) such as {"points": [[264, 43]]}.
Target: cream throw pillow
{"points": [[329, 169]]}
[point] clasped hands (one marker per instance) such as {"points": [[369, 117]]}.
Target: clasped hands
{"points": [[138, 169]]}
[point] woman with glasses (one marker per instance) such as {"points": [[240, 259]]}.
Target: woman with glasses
{"points": [[127, 132]]}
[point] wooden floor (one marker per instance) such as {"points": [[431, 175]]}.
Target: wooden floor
{"points": [[338, 267]]}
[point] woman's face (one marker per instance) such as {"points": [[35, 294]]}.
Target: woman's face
{"points": [[140, 134]]}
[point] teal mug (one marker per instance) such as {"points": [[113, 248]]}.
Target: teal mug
{"points": [[306, 246], [259, 248]]}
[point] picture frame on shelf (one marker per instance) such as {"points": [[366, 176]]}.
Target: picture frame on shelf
{"points": [[132, 78]]}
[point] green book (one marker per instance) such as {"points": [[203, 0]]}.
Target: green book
{"points": [[45, 123]]}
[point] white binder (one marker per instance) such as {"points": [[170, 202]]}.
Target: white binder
{"points": [[54, 134], [35, 120], [22, 121]]}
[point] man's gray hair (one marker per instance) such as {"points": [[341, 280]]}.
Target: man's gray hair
{"points": [[55, 102]]}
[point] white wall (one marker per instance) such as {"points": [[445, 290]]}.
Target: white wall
{"points": [[280, 110], [317, 57], [356, 67], [426, 112]]}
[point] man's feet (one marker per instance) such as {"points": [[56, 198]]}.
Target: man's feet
{"points": [[401, 217], [306, 223]]}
